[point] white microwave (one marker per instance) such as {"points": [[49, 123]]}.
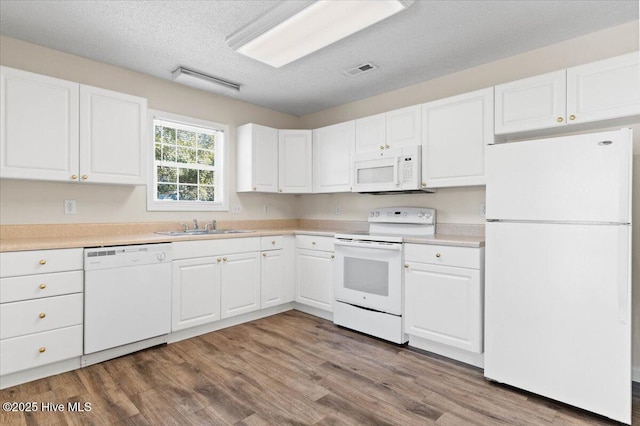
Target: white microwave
{"points": [[396, 169]]}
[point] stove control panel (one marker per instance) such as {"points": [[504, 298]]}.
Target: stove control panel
{"points": [[421, 215]]}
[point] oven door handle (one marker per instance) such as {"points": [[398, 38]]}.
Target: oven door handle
{"points": [[374, 245]]}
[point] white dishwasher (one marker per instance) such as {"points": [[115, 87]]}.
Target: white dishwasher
{"points": [[127, 295]]}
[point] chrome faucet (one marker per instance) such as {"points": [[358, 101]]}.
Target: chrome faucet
{"points": [[195, 224], [213, 224]]}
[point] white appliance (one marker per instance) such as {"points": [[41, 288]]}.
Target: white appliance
{"points": [[395, 169], [127, 293], [368, 282], [558, 269]]}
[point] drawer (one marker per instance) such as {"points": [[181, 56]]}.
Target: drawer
{"points": [[217, 247], [36, 316], [463, 257], [271, 243], [40, 261], [37, 286], [34, 350], [312, 242]]}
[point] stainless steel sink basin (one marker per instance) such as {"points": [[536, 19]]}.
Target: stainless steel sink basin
{"points": [[206, 232]]}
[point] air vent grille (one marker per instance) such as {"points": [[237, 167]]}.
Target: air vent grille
{"points": [[360, 69]]}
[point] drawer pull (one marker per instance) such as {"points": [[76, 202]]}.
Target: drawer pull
{"points": [[273, 242], [43, 262], [333, 256], [42, 315], [406, 265], [313, 243], [218, 260], [264, 254], [224, 259], [437, 254], [43, 286], [42, 350]]}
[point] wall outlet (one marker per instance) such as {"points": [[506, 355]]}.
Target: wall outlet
{"points": [[70, 207], [338, 210], [266, 209], [483, 209], [235, 208]]}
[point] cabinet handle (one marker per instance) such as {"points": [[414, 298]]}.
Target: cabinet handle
{"points": [[424, 184], [43, 262], [381, 146], [42, 350], [406, 266], [74, 177], [572, 117], [387, 146], [264, 254], [255, 187], [560, 119], [437, 254], [273, 242], [333, 256], [42, 315], [85, 177], [218, 260], [43, 286], [313, 243], [224, 259]]}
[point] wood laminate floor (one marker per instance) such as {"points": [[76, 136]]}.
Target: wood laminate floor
{"points": [[290, 368]]}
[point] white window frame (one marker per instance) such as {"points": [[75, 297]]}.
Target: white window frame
{"points": [[221, 152]]}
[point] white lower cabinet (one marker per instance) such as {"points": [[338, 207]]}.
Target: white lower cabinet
{"points": [[195, 292], [444, 291], [314, 272], [240, 284]]}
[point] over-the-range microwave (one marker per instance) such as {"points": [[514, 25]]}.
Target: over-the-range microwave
{"points": [[389, 170]]}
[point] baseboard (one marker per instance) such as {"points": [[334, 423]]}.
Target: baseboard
{"points": [[313, 311], [41, 372]]}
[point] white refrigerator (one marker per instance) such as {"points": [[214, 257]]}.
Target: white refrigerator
{"points": [[558, 269]]}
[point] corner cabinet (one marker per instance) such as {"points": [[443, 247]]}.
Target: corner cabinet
{"points": [[444, 295], [257, 158], [333, 149], [452, 152], [603, 90], [58, 130], [295, 161]]}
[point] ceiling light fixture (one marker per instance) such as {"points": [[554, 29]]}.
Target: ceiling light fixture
{"points": [[205, 82], [293, 29]]}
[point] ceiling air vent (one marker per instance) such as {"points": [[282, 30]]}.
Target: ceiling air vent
{"points": [[360, 69]]}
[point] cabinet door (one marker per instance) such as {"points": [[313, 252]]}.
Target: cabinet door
{"points": [[112, 137], [272, 278], [371, 133], [533, 103], [454, 135], [195, 292], [444, 304], [604, 89], [257, 158], [333, 149], [38, 126], [294, 161], [404, 127], [240, 284], [314, 278]]}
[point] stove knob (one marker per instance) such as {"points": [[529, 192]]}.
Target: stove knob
{"points": [[161, 256], [421, 214], [377, 214], [428, 215], [371, 214]]}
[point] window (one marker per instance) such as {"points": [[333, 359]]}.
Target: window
{"points": [[188, 164]]}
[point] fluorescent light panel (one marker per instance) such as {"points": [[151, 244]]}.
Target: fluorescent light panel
{"points": [[277, 42], [205, 82]]}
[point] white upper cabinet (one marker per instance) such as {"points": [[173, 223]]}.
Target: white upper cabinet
{"points": [[39, 126], [257, 158], [404, 127], [333, 149], [453, 154], [295, 161], [371, 133], [59, 130], [533, 103], [604, 89], [111, 137]]}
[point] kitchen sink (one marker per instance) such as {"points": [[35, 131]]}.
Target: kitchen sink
{"points": [[206, 232]]}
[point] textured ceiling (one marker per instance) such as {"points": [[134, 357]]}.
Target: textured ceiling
{"points": [[428, 40]]}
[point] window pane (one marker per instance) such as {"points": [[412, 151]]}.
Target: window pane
{"points": [[206, 177], [206, 157], [205, 141], [158, 152], [188, 176], [168, 135], [169, 153], [158, 134], [206, 193], [188, 192], [167, 174], [186, 155], [167, 192], [186, 138]]}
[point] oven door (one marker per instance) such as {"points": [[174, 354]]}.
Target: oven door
{"points": [[369, 274]]}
